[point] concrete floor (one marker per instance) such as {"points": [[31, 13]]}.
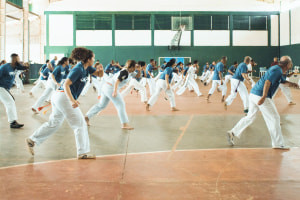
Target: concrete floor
{"points": [[198, 125]]}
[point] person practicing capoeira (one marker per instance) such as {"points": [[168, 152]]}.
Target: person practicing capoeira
{"points": [[150, 77], [18, 80], [7, 77], [189, 80], [228, 76], [250, 70], [211, 73], [177, 76], [161, 70], [286, 90], [134, 83], [110, 92], [205, 72], [53, 62], [42, 80], [53, 82], [238, 85], [261, 99], [218, 79], [65, 105], [163, 83]]}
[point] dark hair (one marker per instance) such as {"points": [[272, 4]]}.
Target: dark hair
{"points": [[131, 63], [235, 62], [71, 61], [82, 54], [142, 63], [47, 61], [189, 64], [165, 61], [195, 61], [171, 63], [14, 55], [179, 63], [224, 58], [151, 60], [62, 61]]}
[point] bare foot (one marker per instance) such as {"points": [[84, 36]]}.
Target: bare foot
{"points": [[87, 120], [127, 127], [174, 109], [292, 103], [225, 106], [222, 100], [145, 102], [34, 110], [30, 93], [148, 107], [207, 99]]}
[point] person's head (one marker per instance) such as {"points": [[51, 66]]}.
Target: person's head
{"points": [[142, 63], [98, 66], [71, 61], [224, 59], [64, 61], [84, 55], [247, 59], [97, 61], [235, 63], [55, 57], [15, 58], [285, 63], [171, 63], [152, 61], [130, 65], [3, 62], [165, 62], [196, 62], [213, 63], [112, 62], [47, 61], [189, 64], [180, 64], [275, 59], [206, 63]]}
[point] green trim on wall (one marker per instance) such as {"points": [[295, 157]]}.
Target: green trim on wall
{"points": [[113, 32], [47, 34], [290, 26], [231, 29], [269, 29], [74, 30], [152, 21], [192, 32]]}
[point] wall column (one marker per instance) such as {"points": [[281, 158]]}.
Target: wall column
{"points": [[2, 28], [25, 31]]}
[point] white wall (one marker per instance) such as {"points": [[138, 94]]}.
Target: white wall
{"points": [[295, 25], [274, 30], [61, 30], [284, 28], [94, 38], [14, 39], [250, 38], [164, 37], [133, 38], [211, 38]]}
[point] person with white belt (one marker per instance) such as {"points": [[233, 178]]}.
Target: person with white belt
{"points": [[65, 105], [42, 80], [161, 70], [150, 77], [211, 73], [238, 85], [228, 76], [261, 100], [163, 83], [7, 77]]}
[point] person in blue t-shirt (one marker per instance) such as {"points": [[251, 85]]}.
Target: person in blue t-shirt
{"points": [[53, 62], [161, 70], [205, 72], [163, 83], [237, 85], [229, 75], [286, 90], [150, 77], [41, 81], [7, 78], [135, 83], [65, 105], [261, 99], [109, 69], [211, 73], [53, 82], [217, 78]]}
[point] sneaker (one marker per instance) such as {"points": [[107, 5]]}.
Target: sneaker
{"points": [[15, 124], [283, 147], [86, 156], [230, 137], [30, 145]]}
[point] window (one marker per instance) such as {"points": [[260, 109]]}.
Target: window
{"points": [[17, 2], [132, 22], [220, 22], [258, 22], [162, 22], [240, 22], [202, 22], [93, 22]]}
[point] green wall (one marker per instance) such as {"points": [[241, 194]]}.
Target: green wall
{"points": [[293, 51]]}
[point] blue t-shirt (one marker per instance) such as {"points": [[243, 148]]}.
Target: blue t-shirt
{"points": [[162, 67], [109, 69], [219, 68], [59, 72], [53, 63], [204, 68], [46, 72], [232, 69], [211, 66], [7, 75], [67, 71], [185, 70], [169, 71], [149, 68], [241, 69], [116, 69], [43, 67], [274, 75], [78, 75], [141, 76]]}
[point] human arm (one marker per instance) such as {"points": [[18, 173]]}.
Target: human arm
{"points": [[265, 92], [68, 93]]}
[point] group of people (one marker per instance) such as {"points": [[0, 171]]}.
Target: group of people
{"points": [[71, 77]]}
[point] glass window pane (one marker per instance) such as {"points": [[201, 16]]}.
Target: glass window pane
{"points": [[220, 22], [240, 22], [202, 22]]}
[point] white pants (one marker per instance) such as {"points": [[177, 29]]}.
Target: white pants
{"points": [[210, 77], [251, 80], [178, 79], [215, 83], [40, 83], [227, 79], [133, 83], [143, 82], [9, 104], [270, 115], [238, 86], [162, 85], [205, 75], [106, 97], [95, 82], [158, 76], [19, 83], [61, 109], [50, 88], [189, 81], [151, 84], [286, 91]]}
